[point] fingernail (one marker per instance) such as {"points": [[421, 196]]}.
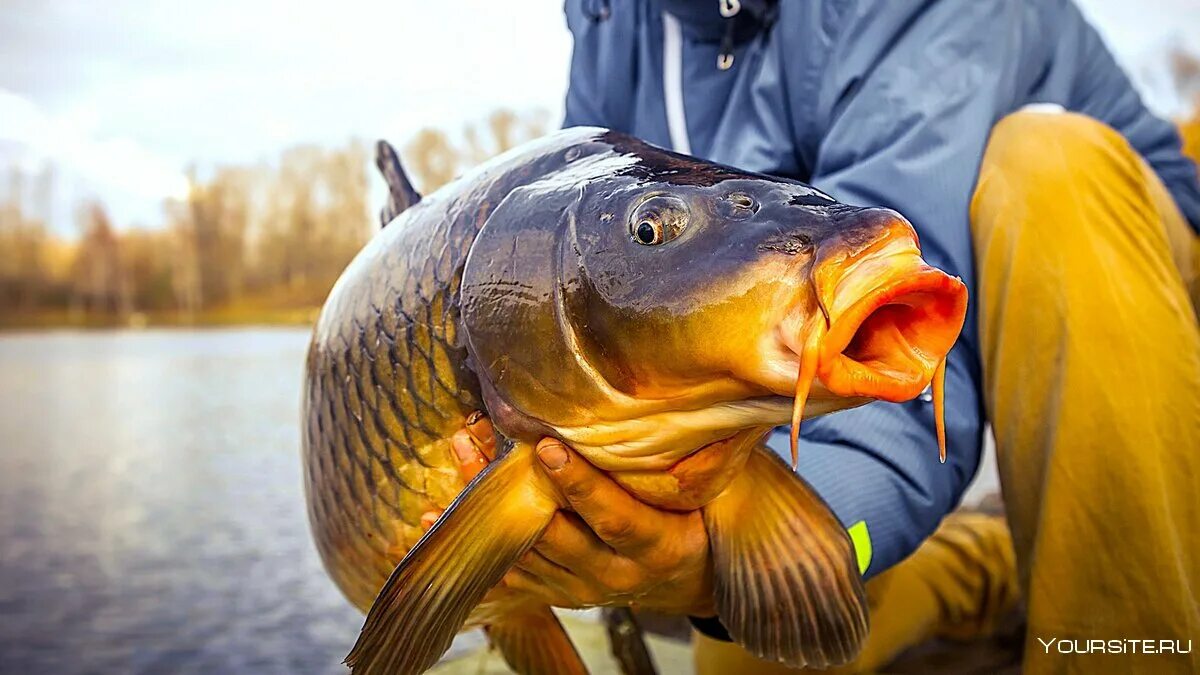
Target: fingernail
{"points": [[474, 418], [553, 455], [427, 520], [464, 449], [480, 429]]}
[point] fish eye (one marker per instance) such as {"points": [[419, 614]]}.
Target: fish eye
{"points": [[649, 232], [658, 220]]}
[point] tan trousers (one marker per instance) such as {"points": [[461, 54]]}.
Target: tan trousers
{"points": [[1091, 360]]}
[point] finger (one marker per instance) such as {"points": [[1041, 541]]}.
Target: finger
{"points": [[429, 518], [549, 573], [470, 460], [518, 579], [571, 544], [481, 431], [619, 519], [559, 580]]}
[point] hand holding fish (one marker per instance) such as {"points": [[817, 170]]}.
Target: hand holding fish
{"points": [[612, 550]]}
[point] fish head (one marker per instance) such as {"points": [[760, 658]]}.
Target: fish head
{"points": [[674, 305]]}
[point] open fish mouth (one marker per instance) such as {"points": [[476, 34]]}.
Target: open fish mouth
{"points": [[889, 344], [890, 321]]}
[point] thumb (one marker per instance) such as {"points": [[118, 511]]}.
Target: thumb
{"points": [[616, 516], [575, 478]]}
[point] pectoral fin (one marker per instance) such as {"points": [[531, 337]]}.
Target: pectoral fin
{"points": [[786, 578], [433, 590], [535, 643]]}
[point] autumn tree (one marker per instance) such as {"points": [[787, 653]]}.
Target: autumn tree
{"points": [[434, 160], [315, 218], [23, 241], [255, 236], [431, 159], [99, 282], [216, 220]]}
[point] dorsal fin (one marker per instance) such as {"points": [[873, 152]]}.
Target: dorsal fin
{"points": [[401, 193]]}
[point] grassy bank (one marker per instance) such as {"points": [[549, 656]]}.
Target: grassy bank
{"points": [[46, 319], [296, 305]]}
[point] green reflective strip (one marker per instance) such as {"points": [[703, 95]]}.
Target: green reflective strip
{"points": [[861, 539]]}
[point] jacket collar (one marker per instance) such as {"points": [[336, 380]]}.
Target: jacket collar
{"points": [[702, 19]]}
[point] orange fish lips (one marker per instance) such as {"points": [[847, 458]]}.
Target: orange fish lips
{"points": [[889, 343], [891, 320]]}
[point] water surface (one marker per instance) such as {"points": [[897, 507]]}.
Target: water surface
{"points": [[151, 512]]}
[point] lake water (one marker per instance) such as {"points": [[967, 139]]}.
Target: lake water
{"points": [[152, 517], [151, 511]]}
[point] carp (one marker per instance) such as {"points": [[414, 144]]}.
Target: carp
{"points": [[656, 312]]}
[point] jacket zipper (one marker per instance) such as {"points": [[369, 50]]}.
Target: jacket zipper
{"points": [[673, 84]]}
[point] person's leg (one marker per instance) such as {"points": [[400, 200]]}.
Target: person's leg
{"points": [[957, 584], [1091, 358]]}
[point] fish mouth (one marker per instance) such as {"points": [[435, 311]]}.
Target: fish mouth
{"points": [[886, 324], [888, 344]]}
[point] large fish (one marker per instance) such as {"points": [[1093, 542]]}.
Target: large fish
{"points": [[659, 314]]}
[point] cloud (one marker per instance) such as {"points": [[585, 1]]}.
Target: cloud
{"points": [[131, 178], [143, 90]]}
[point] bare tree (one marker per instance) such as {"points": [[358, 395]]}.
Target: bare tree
{"points": [[1185, 74]]}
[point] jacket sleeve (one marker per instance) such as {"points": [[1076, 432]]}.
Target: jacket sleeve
{"points": [[905, 106]]}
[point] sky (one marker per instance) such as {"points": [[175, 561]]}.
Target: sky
{"points": [[123, 95]]}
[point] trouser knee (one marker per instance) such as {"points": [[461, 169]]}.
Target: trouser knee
{"points": [[1041, 160]]}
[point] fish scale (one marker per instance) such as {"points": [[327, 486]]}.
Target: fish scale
{"points": [[388, 386]]}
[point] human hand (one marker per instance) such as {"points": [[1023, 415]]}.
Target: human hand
{"points": [[610, 549]]}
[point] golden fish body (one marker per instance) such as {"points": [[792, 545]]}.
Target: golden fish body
{"points": [[657, 312]]}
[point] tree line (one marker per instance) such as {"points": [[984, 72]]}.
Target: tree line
{"points": [[247, 243]]}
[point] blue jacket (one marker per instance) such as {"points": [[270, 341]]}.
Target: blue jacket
{"points": [[876, 102]]}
